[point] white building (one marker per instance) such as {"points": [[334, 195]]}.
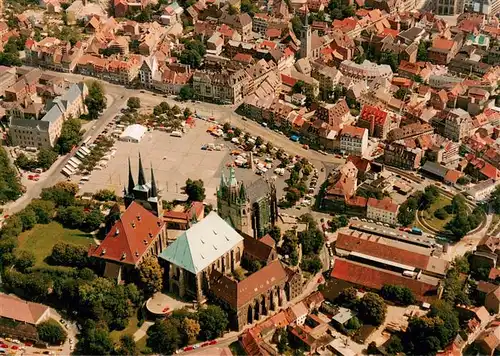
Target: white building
{"points": [[384, 210], [133, 133], [354, 140], [367, 70], [482, 190]]}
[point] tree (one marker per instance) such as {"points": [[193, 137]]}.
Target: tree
{"points": [[391, 59], [186, 92], [45, 158], [372, 309], [92, 220], [10, 186], [282, 335], [213, 322], [275, 233], [402, 93], [70, 135], [441, 214], [195, 190], [192, 328], [259, 141], [151, 275], [105, 195], [28, 218], [94, 340], [422, 52], [24, 260], [127, 345], [43, 209], [96, 99], [247, 6], [353, 324], [394, 346], [23, 162], [71, 217], [348, 298], [52, 332], [66, 254], [134, 103], [398, 294], [164, 337], [191, 57]]}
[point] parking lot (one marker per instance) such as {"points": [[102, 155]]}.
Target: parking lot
{"points": [[174, 160]]}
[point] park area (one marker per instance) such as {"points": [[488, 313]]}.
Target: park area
{"points": [[42, 238], [434, 215]]}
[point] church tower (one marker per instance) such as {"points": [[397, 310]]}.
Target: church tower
{"points": [[233, 204], [305, 38], [143, 193]]}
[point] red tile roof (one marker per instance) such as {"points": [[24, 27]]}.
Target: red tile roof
{"points": [[452, 176], [373, 113], [17, 309], [385, 204], [287, 80], [353, 131], [273, 32], [130, 237], [372, 278], [378, 250]]}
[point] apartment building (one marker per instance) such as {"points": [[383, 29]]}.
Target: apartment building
{"points": [[220, 87], [354, 140], [367, 70], [384, 210], [449, 7], [334, 114], [443, 50], [398, 155], [375, 120], [44, 133], [457, 124], [113, 70]]}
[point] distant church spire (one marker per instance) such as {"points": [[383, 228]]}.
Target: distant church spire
{"points": [[305, 38], [154, 191], [142, 178], [232, 177], [131, 184]]}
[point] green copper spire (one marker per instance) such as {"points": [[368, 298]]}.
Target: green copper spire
{"points": [[232, 178], [154, 191]]}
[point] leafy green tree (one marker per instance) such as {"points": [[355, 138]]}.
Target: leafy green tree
{"points": [[348, 298], [353, 324], [24, 260], [23, 162], [45, 158], [186, 92], [391, 59], [394, 346], [423, 51], [151, 275], [441, 214], [127, 345], [372, 309], [52, 332], [105, 195], [402, 93], [213, 322], [134, 103], [28, 218], [275, 233], [398, 294], [92, 220], [164, 337], [10, 186], [96, 99], [71, 217], [66, 254], [191, 57], [70, 135], [195, 190], [282, 335], [192, 328], [94, 340]]}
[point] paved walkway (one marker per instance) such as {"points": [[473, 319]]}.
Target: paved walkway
{"points": [[139, 334]]}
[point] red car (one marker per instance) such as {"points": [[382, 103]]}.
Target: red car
{"points": [[29, 344], [205, 344], [213, 342], [4, 346], [14, 347], [188, 348]]}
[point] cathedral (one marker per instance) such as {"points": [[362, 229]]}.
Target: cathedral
{"points": [[146, 194], [252, 210]]}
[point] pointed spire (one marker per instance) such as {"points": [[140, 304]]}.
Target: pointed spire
{"points": [[243, 193], [223, 180], [232, 177], [142, 178], [124, 191], [131, 184], [306, 24], [154, 191]]}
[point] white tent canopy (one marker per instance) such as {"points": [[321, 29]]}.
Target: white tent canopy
{"points": [[133, 133]]}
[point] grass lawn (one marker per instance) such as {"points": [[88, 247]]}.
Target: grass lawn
{"points": [[130, 329], [429, 217], [42, 238]]}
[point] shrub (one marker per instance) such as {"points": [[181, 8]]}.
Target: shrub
{"points": [[52, 332]]}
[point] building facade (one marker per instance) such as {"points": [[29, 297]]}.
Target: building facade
{"points": [[252, 210], [384, 210], [354, 140]]}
